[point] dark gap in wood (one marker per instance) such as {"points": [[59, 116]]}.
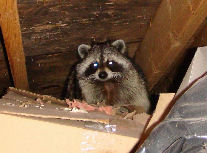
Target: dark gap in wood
{"points": [[65, 83], [172, 80], [143, 3], [48, 81], [136, 41], [50, 54], [6, 60], [182, 69], [50, 86]]}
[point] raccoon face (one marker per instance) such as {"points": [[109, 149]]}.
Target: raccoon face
{"points": [[103, 62]]}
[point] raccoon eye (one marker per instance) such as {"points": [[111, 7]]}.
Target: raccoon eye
{"points": [[110, 63], [114, 66], [95, 65]]}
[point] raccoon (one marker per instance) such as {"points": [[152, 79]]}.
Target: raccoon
{"points": [[106, 74]]}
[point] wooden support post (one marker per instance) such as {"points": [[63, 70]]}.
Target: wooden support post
{"points": [[9, 22], [173, 27]]}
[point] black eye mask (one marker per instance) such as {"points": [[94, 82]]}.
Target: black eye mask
{"points": [[91, 69]]}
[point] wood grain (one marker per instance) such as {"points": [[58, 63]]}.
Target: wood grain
{"points": [[171, 32], [59, 26], [9, 22], [47, 73]]}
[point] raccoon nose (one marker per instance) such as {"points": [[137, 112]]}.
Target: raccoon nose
{"points": [[102, 75]]}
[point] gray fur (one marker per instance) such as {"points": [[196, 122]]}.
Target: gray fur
{"points": [[83, 50], [127, 85], [120, 45]]}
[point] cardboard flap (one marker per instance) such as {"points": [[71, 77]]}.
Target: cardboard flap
{"points": [[24, 103], [16, 103]]}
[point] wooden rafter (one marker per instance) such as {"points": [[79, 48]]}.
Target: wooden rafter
{"points": [[172, 29], [9, 22]]}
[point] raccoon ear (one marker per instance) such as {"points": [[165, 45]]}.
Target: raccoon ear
{"points": [[120, 46], [83, 50]]}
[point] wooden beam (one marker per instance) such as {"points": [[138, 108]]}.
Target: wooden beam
{"points": [[9, 22], [171, 32], [60, 26]]}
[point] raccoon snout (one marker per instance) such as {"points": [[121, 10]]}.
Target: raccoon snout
{"points": [[102, 75]]}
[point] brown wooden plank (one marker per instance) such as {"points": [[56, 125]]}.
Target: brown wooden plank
{"points": [[173, 27], [60, 26], [9, 22]]}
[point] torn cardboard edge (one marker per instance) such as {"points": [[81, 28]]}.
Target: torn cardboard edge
{"points": [[53, 111], [12, 102], [35, 95]]}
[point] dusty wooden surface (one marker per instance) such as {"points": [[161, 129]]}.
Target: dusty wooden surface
{"points": [[59, 26], [47, 73], [52, 31], [9, 22], [171, 33]]}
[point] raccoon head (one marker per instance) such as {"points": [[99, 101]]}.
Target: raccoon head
{"points": [[103, 61]]}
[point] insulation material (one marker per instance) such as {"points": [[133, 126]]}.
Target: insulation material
{"points": [[197, 67]]}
